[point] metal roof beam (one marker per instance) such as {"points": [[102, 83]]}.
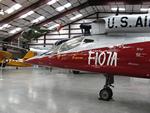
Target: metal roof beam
{"points": [[105, 2], [24, 11], [81, 6]]}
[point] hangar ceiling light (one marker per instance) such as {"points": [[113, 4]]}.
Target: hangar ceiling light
{"points": [[54, 26], [67, 5], [13, 8], [1, 12], [5, 26], [61, 8], [15, 30], [38, 19], [120, 9], [27, 14], [144, 9], [52, 2], [75, 17]]}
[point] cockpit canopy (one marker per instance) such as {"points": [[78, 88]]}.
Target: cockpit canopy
{"points": [[74, 43], [68, 45]]}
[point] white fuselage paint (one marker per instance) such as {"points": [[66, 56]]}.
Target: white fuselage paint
{"points": [[105, 41]]}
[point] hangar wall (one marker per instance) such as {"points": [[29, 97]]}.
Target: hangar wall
{"points": [[68, 31]]}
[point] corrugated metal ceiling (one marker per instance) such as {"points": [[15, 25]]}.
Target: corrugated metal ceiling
{"points": [[51, 15]]}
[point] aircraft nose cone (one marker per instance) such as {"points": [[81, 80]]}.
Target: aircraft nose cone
{"points": [[51, 60]]}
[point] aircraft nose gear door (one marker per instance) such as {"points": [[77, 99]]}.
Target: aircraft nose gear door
{"points": [[106, 93]]}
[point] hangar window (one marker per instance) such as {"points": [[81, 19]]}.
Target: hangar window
{"points": [[71, 44]]}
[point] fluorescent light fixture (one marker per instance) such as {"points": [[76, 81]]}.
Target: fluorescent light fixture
{"points": [[38, 19], [1, 28], [120, 9], [54, 26], [114, 9], [52, 2], [35, 21], [27, 14], [67, 5], [13, 8], [1, 12], [16, 6], [41, 18], [144, 9], [10, 10], [5, 26], [18, 29], [77, 16], [61, 8], [15, 30]]}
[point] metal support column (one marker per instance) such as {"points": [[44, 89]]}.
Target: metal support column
{"points": [[97, 16], [69, 32], [45, 40]]}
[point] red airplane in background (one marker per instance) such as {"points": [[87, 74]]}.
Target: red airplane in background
{"points": [[123, 55]]}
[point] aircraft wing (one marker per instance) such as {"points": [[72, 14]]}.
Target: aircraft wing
{"points": [[17, 63], [5, 55]]}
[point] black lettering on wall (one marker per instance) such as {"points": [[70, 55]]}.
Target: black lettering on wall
{"points": [[145, 21], [139, 22], [124, 22], [111, 22]]}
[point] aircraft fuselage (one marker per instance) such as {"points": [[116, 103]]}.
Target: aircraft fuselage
{"points": [[129, 56]]}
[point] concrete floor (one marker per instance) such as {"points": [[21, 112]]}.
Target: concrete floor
{"points": [[40, 91]]}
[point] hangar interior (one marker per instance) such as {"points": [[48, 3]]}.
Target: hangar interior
{"points": [[39, 24], [55, 14]]}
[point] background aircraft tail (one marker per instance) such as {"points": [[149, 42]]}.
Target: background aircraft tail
{"points": [[29, 55]]}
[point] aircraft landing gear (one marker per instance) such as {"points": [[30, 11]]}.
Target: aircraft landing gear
{"points": [[75, 72], [3, 64], [106, 93]]}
